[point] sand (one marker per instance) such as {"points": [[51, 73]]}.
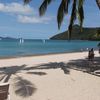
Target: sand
{"points": [[48, 78]]}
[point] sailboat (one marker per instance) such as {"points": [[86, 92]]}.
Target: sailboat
{"points": [[43, 40], [21, 41]]}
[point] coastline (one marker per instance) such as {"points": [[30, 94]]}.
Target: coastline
{"points": [[53, 57], [45, 54], [35, 55]]}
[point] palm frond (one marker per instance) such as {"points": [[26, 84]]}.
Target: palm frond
{"points": [[80, 3], [80, 13], [44, 6], [62, 10], [72, 19], [26, 1], [66, 5], [98, 3], [60, 14]]}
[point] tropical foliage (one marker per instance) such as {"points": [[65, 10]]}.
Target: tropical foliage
{"points": [[77, 11], [88, 33]]}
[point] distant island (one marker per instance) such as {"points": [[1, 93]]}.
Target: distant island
{"points": [[7, 38], [87, 33]]}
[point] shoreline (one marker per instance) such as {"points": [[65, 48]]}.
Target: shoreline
{"points": [[46, 54]]}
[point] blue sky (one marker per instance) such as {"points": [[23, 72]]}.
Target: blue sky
{"points": [[17, 20]]}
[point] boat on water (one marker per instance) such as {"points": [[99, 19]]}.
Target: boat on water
{"points": [[43, 40], [21, 40]]}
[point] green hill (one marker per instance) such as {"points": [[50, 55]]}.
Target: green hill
{"points": [[86, 34]]}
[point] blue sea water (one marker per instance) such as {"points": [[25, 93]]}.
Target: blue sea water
{"points": [[13, 48]]}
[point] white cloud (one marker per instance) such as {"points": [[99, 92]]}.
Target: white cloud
{"points": [[34, 19], [15, 8], [24, 13]]}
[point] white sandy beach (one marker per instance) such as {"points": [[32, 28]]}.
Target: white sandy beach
{"points": [[48, 79]]}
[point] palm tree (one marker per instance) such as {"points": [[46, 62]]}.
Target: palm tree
{"points": [[77, 10]]}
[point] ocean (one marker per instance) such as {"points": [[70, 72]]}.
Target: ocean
{"points": [[16, 48]]}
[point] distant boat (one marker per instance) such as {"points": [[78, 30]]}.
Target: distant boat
{"points": [[21, 41], [43, 40]]}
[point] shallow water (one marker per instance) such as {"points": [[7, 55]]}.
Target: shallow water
{"points": [[12, 48]]}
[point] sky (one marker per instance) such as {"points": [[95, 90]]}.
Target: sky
{"points": [[19, 20]]}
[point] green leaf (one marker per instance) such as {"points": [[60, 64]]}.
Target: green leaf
{"points": [[73, 18], [62, 10], [80, 13], [98, 3], [26, 1], [44, 6]]}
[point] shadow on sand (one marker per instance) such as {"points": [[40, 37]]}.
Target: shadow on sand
{"points": [[91, 67], [23, 87], [51, 65], [37, 73], [80, 64]]}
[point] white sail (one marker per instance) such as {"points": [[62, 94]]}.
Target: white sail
{"points": [[21, 41], [44, 41]]}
